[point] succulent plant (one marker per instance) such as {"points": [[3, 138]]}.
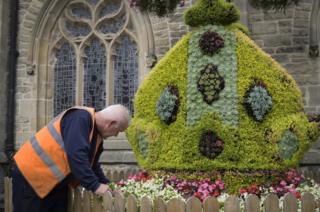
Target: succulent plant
{"points": [[210, 83], [168, 104], [210, 145], [211, 42], [143, 144], [258, 101], [288, 144]]}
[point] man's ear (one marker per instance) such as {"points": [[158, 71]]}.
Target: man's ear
{"points": [[114, 123], [108, 123]]}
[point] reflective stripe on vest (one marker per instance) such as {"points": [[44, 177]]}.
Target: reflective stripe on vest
{"points": [[42, 160]]}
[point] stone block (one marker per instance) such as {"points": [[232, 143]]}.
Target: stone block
{"points": [[300, 32], [117, 145], [116, 157], [285, 23], [301, 40], [177, 34], [273, 15], [311, 78], [260, 28], [301, 14], [285, 30], [301, 23], [174, 26], [270, 51], [299, 68], [314, 95], [311, 158], [161, 50], [160, 26], [277, 40], [255, 17], [290, 49], [310, 110], [161, 42], [161, 34], [281, 58]]}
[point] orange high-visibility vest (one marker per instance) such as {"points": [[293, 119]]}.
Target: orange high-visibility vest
{"points": [[42, 160]]}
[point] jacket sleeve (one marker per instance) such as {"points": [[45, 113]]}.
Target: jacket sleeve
{"points": [[97, 167], [76, 135]]}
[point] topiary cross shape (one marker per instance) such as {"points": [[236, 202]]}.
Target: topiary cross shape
{"points": [[214, 12]]}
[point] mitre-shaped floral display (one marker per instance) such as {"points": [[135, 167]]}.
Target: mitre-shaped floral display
{"points": [[220, 105]]}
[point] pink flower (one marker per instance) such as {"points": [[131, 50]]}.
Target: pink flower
{"points": [[283, 183]]}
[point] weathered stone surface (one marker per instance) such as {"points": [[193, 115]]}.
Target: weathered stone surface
{"points": [[315, 94], [300, 32], [272, 15], [264, 28], [290, 49], [301, 68], [281, 58], [116, 145], [277, 40], [311, 158], [124, 157], [301, 40]]}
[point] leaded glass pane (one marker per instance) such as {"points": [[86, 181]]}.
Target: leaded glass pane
{"points": [[112, 25], [80, 11], [111, 8], [95, 75], [79, 29], [93, 2], [64, 78], [125, 73]]}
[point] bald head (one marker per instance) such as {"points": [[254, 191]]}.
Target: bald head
{"points": [[112, 120]]}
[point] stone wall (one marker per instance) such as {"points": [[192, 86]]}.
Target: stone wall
{"points": [[286, 37]]}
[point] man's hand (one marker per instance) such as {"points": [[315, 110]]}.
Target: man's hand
{"points": [[102, 189]]}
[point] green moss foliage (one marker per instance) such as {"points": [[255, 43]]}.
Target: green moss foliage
{"points": [[215, 12], [247, 144]]}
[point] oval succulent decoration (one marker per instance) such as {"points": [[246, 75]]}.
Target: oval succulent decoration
{"points": [[211, 42], [210, 83], [210, 145], [288, 145], [143, 144], [258, 101], [168, 104]]}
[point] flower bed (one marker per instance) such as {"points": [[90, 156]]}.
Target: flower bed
{"points": [[169, 187]]}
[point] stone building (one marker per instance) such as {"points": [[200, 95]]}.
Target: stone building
{"points": [[84, 51]]}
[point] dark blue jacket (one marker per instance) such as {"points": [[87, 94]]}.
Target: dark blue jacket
{"points": [[75, 129]]}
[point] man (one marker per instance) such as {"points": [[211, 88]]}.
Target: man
{"points": [[64, 152]]}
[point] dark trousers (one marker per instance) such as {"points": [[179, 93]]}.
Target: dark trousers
{"points": [[26, 200]]}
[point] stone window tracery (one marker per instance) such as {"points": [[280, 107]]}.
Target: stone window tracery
{"points": [[98, 63]]}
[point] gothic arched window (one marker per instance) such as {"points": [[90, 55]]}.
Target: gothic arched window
{"points": [[95, 52]]}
